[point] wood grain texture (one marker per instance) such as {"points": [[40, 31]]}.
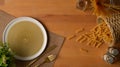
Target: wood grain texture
{"points": [[62, 17], [2, 2]]}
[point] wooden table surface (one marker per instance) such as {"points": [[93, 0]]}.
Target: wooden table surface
{"points": [[62, 17]]}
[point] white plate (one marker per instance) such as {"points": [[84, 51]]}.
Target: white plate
{"points": [[17, 20]]}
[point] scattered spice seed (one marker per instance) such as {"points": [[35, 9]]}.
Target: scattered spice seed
{"points": [[87, 36], [89, 42], [79, 30], [71, 37], [79, 38], [94, 45], [82, 40], [83, 50], [98, 45]]}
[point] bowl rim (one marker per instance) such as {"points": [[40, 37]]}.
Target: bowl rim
{"points": [[38, 23]]}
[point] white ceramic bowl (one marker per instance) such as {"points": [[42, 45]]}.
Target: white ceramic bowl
{"points": [[17, 20]]}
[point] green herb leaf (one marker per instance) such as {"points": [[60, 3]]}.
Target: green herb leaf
{"points": [[6, 57]]}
